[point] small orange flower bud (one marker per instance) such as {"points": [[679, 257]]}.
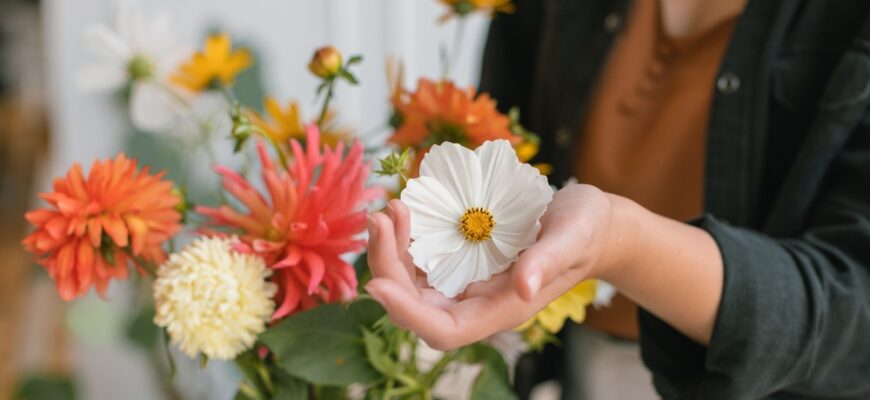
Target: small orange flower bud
{"points": [[326, 62]]}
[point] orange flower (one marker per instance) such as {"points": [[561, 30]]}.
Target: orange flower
{"points": [[285, 124], [465, 7], [217, 61], [308, 217], [439, 111], [95, 225]]}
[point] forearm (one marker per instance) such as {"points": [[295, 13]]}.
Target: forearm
{"points": [[670, 268]]}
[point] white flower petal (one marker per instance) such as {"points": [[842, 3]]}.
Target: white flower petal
{"points": [[428, 216], [425, 248], [516, 194], [107, 44], [452, 272], [449, 270], [510, 243], [458, 169], [454, 179], [152, 108], [102, 77]]}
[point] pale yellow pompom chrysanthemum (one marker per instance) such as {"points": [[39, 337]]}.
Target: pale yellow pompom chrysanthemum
{"points": [[213, 300]]}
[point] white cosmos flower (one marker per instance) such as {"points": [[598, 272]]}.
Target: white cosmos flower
{"points": [[142, 52], [472, 212]]}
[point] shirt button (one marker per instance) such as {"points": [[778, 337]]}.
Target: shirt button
{"points": [[655, 69], [563, 138], [728, 83], [613, 22]]}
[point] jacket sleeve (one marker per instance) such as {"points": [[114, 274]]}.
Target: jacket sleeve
{"points": [[795, 312]]}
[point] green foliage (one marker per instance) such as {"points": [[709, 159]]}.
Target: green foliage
{"points": [[45, 387], [141, 330], [379, 355], [248, 87], [288, 387], [363, 273], [493, 382], [330, 393], [324, 345], [395, 164]]}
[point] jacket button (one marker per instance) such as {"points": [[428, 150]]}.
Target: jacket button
{"points": [[728, 83], [613, 22], [563, 138]]}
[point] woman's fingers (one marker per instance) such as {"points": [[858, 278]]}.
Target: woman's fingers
{"points": [[383, 257], [409, 311], [401, 218], [539, 264]]}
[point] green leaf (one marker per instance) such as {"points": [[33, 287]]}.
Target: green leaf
{"points": [[363, 274], [378, 354], [355, 59], [493, 382], [289, 387], [348, 77], [141, 330], [324, 345], [45, 387], [330, 392]]}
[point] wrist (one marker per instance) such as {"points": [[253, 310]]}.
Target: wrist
{"points": [[622, 236]]}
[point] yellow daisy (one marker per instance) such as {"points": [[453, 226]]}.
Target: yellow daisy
{"points": [[282, 124], [572, 305], [216, 62]]}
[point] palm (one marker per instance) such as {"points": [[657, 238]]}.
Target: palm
{"points": [[482, 310]]}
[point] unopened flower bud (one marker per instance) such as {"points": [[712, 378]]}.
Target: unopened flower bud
{"points": [[326, 62]]}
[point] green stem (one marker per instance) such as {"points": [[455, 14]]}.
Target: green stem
{"points": [[390, 393], [325, 109], [439, 367]]}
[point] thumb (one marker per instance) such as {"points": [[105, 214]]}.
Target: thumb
{"points": [[539, 265]]}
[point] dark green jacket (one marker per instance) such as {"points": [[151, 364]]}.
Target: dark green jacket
{"points": [[787, 185]]}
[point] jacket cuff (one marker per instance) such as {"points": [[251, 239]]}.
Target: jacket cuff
{"points": [[756, 304]]}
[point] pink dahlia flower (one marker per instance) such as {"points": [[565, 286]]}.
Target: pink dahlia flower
{"points": [[311, 215]]}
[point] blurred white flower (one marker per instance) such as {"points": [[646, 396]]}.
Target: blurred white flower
{"points": [[511, 346], [604, 293], [207, 116], [212, 300], [472, 212], [140, 52]]}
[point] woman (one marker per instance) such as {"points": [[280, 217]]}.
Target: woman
{"points": [[752, 116]]}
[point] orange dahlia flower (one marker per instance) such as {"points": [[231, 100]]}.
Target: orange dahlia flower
{"points": [[311, 215], [95, 225], [439, 111]]}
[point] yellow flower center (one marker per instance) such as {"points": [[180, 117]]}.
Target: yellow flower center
{"points": [[476, 224]]}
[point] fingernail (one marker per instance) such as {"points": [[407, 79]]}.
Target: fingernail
{"points": [[390, 210], [534, 283]]}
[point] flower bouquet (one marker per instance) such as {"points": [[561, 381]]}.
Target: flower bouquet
{"points": [[267, 277]]}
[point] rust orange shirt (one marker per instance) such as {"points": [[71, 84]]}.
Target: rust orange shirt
{"points": [[645, 132]]}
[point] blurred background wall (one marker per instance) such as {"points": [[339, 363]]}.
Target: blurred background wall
{"points": [[47, 123]]}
